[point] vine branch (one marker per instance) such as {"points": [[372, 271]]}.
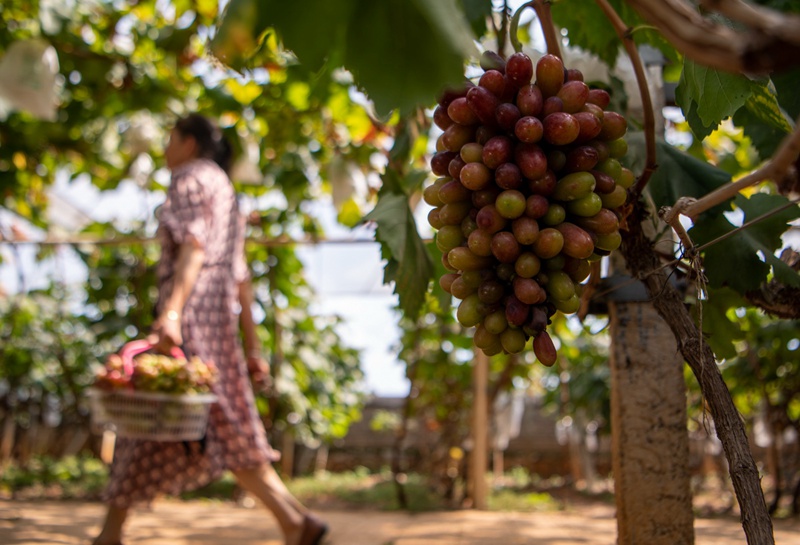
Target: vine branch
{"points": [[625, 34], [770, 40], [766, 20]]}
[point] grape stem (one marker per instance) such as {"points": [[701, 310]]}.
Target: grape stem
{"points": [[502, 30], [542, 9], [625, 34]]}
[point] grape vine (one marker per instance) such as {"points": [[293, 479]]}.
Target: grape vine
{"points": [[527, 195]]}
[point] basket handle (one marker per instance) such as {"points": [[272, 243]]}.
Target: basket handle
{"points": [[134, 348]]}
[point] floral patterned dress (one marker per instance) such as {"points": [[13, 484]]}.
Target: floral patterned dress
{"points": [[201, 205]]}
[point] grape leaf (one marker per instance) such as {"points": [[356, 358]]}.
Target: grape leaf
{"points": [[588, 28], [476, 12], [718, 95], [786, 85], [313, 29], [409, 263], [763, 119], [444, 299], [763, 136], [424, 43], [237, 35], [422, 53], [721, 331], [764, 104], [689, 106], [678, 173], [744, 260]]}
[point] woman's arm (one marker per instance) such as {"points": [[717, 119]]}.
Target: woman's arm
{"points": [[251, 344], [256, 365], [166, 331]]}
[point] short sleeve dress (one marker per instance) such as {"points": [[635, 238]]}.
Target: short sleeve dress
{"points": [[200, 208]]}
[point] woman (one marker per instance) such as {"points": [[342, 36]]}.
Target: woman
{"points": [[201, 275]]}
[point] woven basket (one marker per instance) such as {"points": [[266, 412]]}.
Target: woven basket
{"points": [[152, 416]]}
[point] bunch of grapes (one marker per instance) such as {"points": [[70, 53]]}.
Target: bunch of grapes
{"points": [[529, 183], [158, 373]]}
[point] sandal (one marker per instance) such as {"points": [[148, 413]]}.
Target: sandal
{"points": [[314, 530]]}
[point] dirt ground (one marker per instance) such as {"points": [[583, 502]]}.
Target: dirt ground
{"points": [[204, 522]]}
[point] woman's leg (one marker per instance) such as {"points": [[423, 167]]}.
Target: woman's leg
{"points": [[274, 495], [111, 534]]}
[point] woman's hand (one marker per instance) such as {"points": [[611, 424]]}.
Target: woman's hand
{"points": [[166, 332], [259, 372]]}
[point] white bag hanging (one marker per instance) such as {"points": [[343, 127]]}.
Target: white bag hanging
{"points": [[28, 79], [142, 132]]}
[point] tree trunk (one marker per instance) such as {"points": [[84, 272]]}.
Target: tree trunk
{"points": [[644, 264], [650, 443]]}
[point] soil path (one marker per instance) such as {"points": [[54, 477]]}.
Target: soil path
{"points": [[204, 522]]}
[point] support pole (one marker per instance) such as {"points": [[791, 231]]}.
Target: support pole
{"points": [[480, 430]]}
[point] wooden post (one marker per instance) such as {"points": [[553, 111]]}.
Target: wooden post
{"points": [[287, 453], [480, 430], [497, 465]]}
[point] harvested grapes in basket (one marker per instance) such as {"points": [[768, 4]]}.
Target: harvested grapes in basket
{"points": [[157, 373]]}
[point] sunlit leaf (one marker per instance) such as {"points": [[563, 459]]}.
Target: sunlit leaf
{"points": [[350, 213], [297, 95], [763, 103], [243, 93]]}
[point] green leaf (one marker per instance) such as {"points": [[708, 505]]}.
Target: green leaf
{"points": [[699, 129], [743, 261], [350, 213], [589, 28], [312, 29], [409, 264], [444, 299], [786, 85], [763, 103], [446, 17], [678, 173], [400, 57], [720, 331], [764, 137], [718, 95], [237, 36], [729, 262], [476, 12]]}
